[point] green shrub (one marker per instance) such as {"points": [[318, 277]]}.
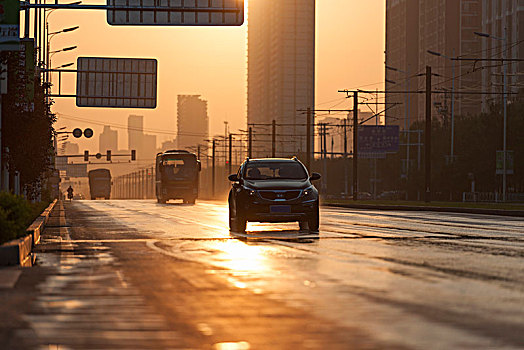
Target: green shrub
{"points": [[16, 214]]}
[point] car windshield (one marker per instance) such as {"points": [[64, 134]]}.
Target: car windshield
{"points": [[275, 170]]}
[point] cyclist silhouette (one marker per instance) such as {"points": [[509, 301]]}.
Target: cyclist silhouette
{"points": [[70, 193]]}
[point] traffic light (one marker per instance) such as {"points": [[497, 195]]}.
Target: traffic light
{"points": [[133, 154], [108, 156], [86, 156]]}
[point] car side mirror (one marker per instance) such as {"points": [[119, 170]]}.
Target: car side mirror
{"points": [[315, 176], [233, 177]]}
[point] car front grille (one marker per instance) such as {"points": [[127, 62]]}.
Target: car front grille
{"points": [[280, 195]]}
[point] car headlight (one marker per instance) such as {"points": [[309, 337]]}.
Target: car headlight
{"points": [[308, 191], [250, 191]]}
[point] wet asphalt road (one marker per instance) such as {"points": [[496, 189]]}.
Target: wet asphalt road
{"points": [[370, 279]]}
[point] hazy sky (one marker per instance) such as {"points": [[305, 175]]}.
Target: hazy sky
{"points": [[212, 62]]}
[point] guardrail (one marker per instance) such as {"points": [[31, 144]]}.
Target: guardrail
{"points": [[492, 197]]}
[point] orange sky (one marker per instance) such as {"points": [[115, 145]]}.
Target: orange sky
{"points": [[212, 62]]}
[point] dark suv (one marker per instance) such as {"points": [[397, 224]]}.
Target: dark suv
{"points": [[273, 190]]}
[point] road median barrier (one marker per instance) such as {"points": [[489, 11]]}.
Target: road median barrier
{"points": [[19, 251], [462, 210]]}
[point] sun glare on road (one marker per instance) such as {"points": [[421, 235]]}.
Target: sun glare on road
{"points": [[239, 256]]}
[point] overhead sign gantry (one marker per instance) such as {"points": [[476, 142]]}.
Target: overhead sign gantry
{"points": [[176, 12], [116, 82]]}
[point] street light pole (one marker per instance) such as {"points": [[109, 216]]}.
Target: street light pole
{"points": [[505, 102], [452, 154], [452, 146], [504, 165]]}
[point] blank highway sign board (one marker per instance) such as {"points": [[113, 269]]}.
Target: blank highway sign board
{"points": [[177, 12], [116, 82]]}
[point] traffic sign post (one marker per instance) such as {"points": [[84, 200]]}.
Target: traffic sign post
{"points": [[9, 25], [375, 141], [510, 156]]}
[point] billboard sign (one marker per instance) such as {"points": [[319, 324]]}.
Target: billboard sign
{"points": [[9, 25], [374, 141], [176, 12], [510, 156], [116, 82], [76, 170]]}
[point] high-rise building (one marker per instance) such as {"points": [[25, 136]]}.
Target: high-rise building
{"points": [[445, 27], [502, 19], [281, 73], [192, 122], [135, 131], [145, 145], [108, 140]]}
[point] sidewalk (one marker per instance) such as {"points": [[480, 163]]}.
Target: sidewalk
{"points": [[76, 298]]}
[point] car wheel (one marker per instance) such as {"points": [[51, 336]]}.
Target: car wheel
{"points": [[313, 221], [191, 200], [303, 225], [161, 200], [237, 223]]}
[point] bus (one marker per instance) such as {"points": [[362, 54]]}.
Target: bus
{"points": [[99, 183], [177, 176]]}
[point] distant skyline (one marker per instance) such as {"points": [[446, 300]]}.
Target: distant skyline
{"points": [[212, 62]]}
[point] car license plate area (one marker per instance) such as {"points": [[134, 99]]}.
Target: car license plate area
{"points": [[280, 209]]}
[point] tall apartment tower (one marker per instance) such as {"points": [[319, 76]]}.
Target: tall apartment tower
{"points": [[502, 19], [402, 50], [135, 131], [145, 145], [192, 122], [443, 26], [108, 140], [281, 73]]}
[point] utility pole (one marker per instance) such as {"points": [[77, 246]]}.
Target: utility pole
{"points": [[427, 148], [345, 157], [250, 143], [323, 156], [213, 169], [308, 139], [230, 152], [355, 145], [198, 152], [274, 139]]}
